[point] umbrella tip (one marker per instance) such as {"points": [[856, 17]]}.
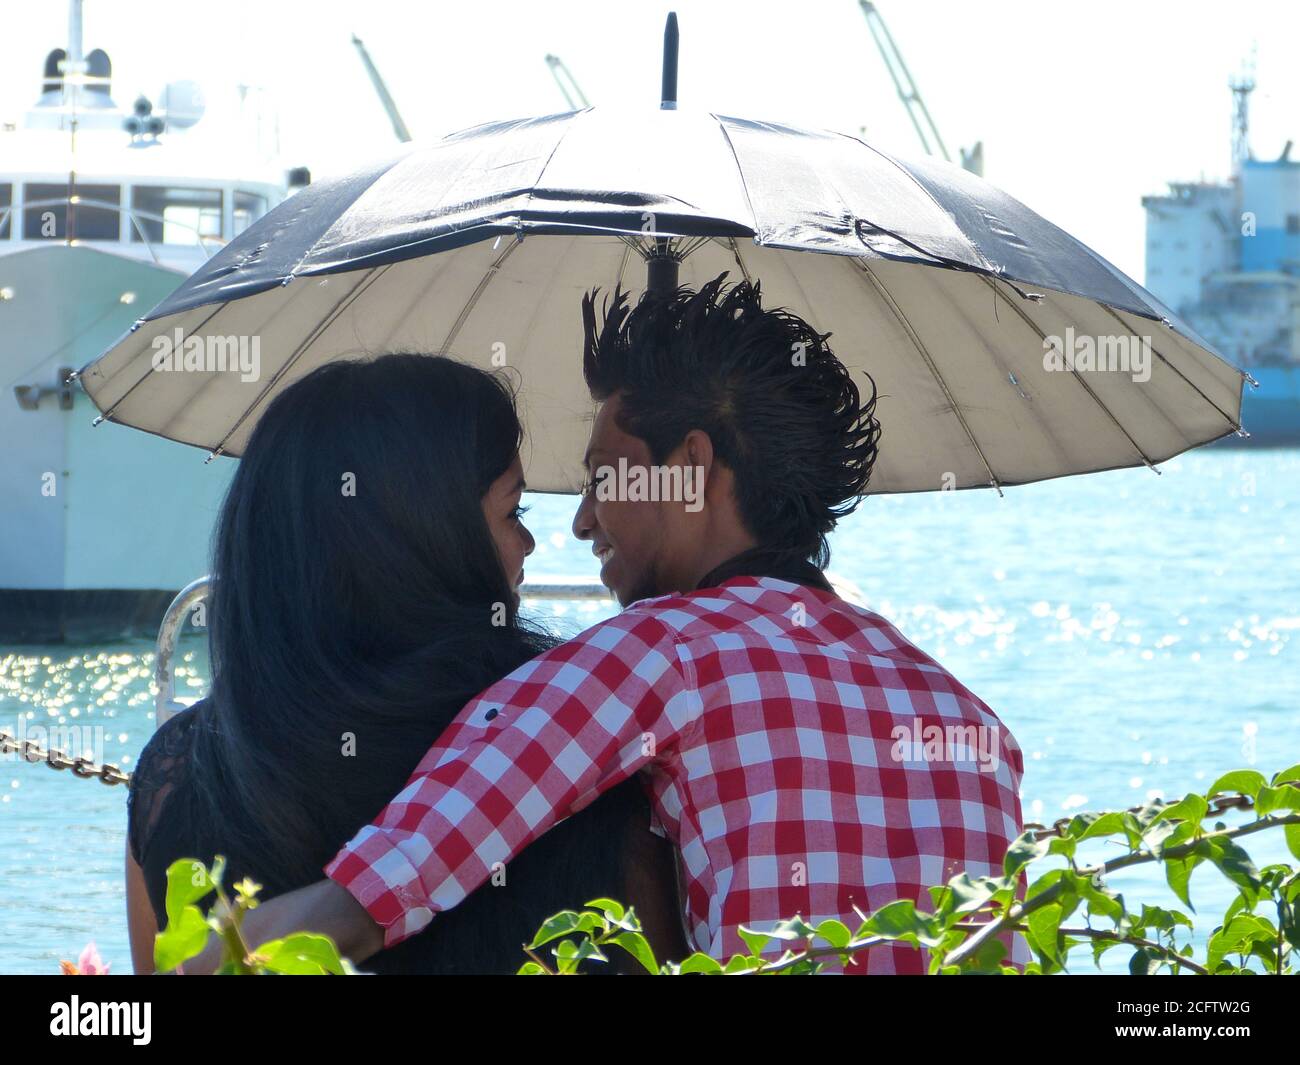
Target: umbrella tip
{"points": [[668, 93]]}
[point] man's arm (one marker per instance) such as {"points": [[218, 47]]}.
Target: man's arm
{"points": [[529, 751], [322, 907]]}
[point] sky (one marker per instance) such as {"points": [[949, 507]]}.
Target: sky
{"points": [[1082, 107]]}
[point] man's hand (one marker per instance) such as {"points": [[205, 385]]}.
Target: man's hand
{"points": [[323, 907]]}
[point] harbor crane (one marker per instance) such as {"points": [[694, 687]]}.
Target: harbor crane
{"points": [[972, 158], [573, 95]]}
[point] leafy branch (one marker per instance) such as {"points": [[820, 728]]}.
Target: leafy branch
{"points": [[188, 929], [974, 916]]}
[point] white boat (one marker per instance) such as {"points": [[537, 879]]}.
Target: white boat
{"points": [[104, 210]]}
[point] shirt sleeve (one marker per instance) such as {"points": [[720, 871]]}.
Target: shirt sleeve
{"points": [[526, 753]]}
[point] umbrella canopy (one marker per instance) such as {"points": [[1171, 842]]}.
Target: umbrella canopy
{"points": [[1004, 350]]}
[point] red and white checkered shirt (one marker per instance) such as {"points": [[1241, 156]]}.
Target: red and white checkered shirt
{"points": [[802, 754]]}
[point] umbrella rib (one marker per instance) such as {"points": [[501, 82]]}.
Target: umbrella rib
{"points": [[1191, 384], [735, 250], [108, 414], [622, 266], [1074, 373], [479, 289], [634, 244], [343, 304], [897, 311], [740, 171]]}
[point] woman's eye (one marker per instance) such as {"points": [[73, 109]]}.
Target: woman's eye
{"points": [[519, 512]]}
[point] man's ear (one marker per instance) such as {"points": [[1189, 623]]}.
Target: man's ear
{"points": [[698, 452]]}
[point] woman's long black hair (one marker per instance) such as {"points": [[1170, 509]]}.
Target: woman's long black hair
{"points": [[358, 601]]}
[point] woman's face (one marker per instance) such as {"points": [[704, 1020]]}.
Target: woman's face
{"points": [[505, 520]]}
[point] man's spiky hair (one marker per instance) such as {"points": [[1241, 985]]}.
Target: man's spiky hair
{"points": [[782, 412]]}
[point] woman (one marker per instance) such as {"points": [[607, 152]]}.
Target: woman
{"points": [[366, 562]]}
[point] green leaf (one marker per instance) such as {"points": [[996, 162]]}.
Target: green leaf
{"points": [[636, 945], [301, 954], [1102, 902], [1043, 926], [1063, 845], [185, 936], [1292, 835], [1144, 962], [1023, 851], [701, 963], [1100, 946], [1245, 781], [1270, 800], [900, 920], [1190, 807], [1287, 776], [835, 933], [971, 893], [569, 955], [1155, 836], [1178, 873], [1165, 920], [608, 906], [585, 949], [1234, 863], [562, 924], [794, 928], [755, 941], [188, 881], [987, 957], [1090, 825], [531, 968]]}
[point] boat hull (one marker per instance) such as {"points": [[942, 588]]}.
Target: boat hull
{"points": [[100, 526]]}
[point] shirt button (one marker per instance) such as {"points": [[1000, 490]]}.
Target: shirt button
{"points": [[492, 713]]}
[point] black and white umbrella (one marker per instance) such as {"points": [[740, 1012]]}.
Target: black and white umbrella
{"points": [[1004, 350]]}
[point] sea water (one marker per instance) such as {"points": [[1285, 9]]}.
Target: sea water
{"points": [[1137, 634]]}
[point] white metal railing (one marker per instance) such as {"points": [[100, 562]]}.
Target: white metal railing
{"points": [[166, 705], [133, 216]]}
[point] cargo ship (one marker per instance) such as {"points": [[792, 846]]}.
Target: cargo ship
{"points": [[1226, 256]]}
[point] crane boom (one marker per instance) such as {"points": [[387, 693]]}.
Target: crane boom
{"points": [[573, 95], [903, 82], [376, 79], [972, 159]]}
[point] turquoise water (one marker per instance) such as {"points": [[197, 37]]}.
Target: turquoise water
{"points": [[1138, 634]]}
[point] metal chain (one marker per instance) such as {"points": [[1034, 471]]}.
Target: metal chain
{"points": [[1216, 807], [31, 751]]}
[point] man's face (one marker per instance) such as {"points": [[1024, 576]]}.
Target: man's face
{"points": [[645, 548]]}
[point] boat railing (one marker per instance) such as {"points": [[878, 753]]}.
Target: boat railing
{"points": [[166, 703], [134, 216]]}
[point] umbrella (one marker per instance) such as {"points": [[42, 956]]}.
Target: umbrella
{"points": [[1004, 350]]}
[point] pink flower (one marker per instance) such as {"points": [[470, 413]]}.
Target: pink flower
{"points": [[89, 964]]}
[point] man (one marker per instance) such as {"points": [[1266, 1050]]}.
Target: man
{"points": [[787, 737]]}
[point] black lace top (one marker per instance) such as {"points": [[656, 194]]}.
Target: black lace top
{"points": [[605, 849]]}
